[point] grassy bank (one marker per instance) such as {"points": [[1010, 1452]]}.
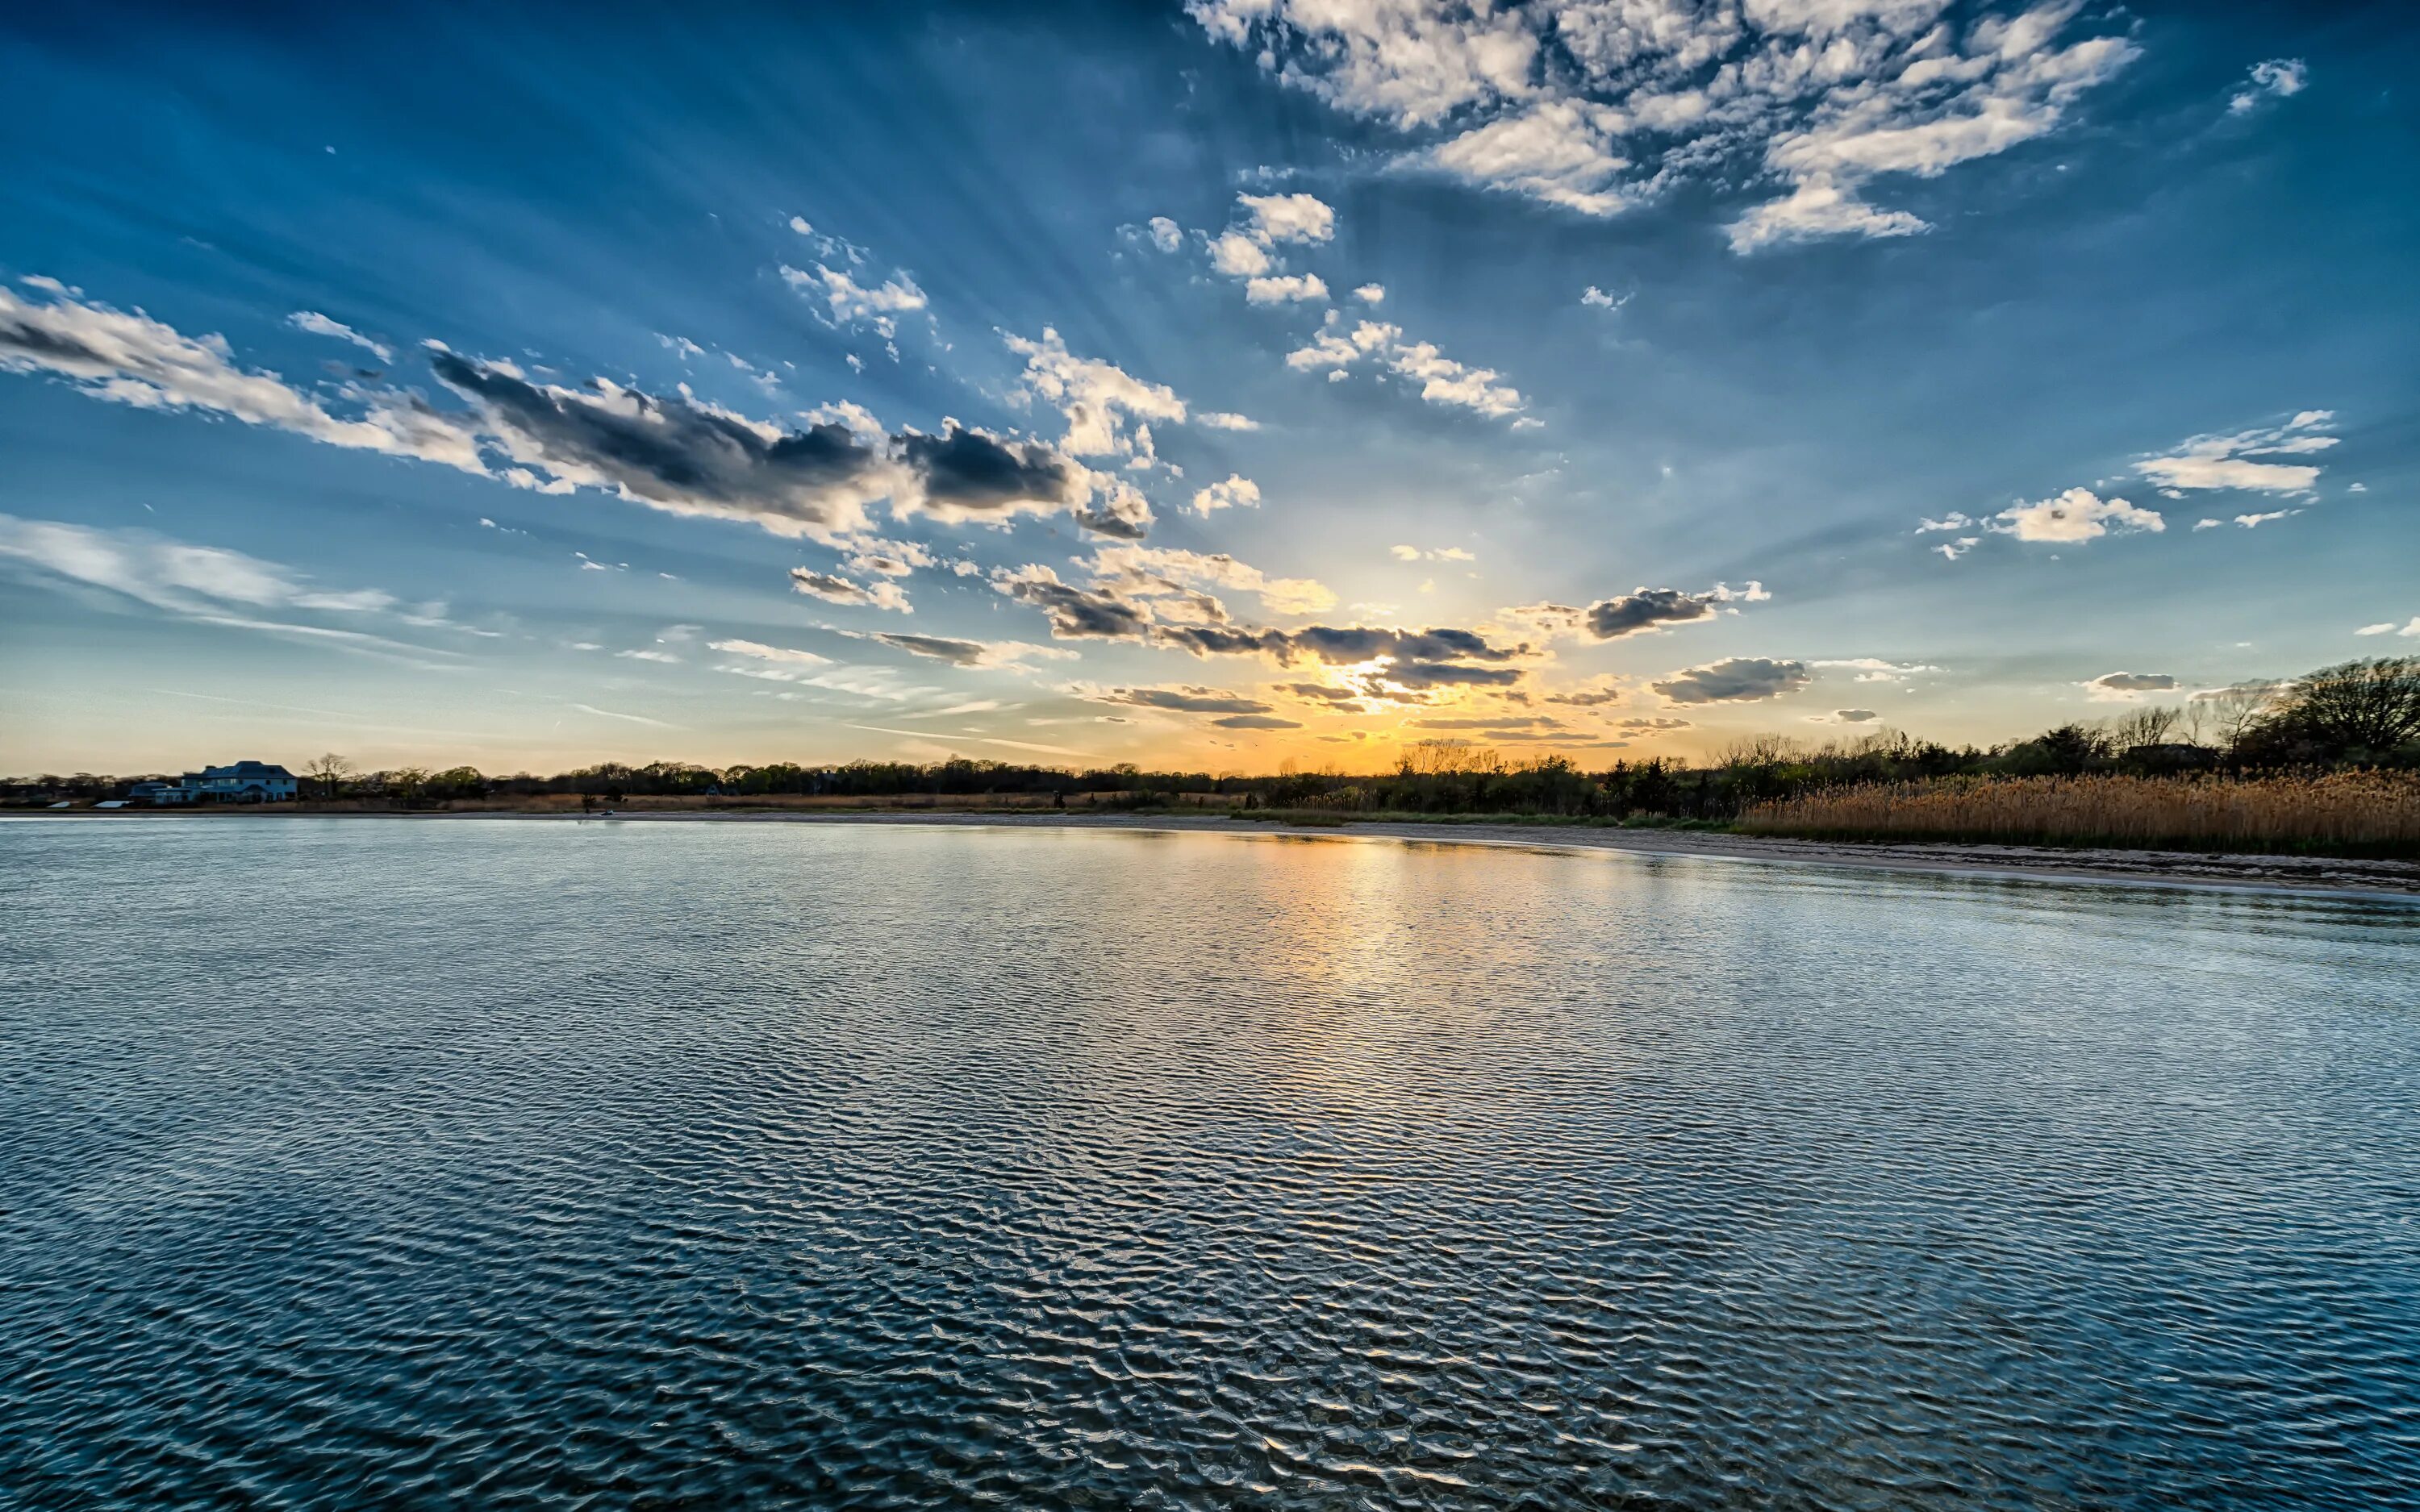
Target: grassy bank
{"points": [[2335, 813]]}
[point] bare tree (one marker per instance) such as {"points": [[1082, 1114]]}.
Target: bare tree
{"points": [[2143, 727], [1438, 757], [1759, 750], [331, 772], [2233, 711]]}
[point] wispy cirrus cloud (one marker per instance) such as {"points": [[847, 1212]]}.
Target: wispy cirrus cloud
{"points": [[978, 655], [212, 585], [321, 325]]}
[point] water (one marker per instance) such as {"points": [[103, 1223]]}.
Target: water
{"points": [[363, 1162]]}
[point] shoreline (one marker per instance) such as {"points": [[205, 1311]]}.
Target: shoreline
{"points": [[2302, 875]]}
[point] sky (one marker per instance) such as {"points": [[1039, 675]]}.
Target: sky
{"points": [[1211, 386]]}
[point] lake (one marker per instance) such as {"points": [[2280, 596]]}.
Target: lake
{"points": [[355, 1161]]}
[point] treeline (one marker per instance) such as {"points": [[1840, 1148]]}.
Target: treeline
{"points": [[2360, 715]]}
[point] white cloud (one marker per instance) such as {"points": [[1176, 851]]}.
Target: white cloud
{"points": [[1601, 300], [1875, 669], [1166, 233], [1371, 293], [1558, 150], [1162, 573], [1288, 218], [2232, 460], [1597, 106], [2249, 521], [2279, 77], [852, 303], [1238, 256], [833, 589], [664, 656], [2410, 630], [1442, 379], [1441, 553], [2229, 461], [320, 325], [888, 559], [1819, 207], [1959, 546], [135, 359], [1221, 420], [2077, 515], [1290, 288], [1236, 490], [1099, 399]]}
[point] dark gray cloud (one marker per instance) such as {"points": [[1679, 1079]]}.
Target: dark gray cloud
{"points": [[940, 648], [1856, 715], [1734, 679], [1587, 699], [1221, 640], [1256, 721], [675, 453], [1188, 700], [680, 454], [1075, 613], [1651, 724], [1612, 618], [1428, 675], [968, 471], [1340, 645], [1102, 522], [1320, 692], [1501, 722]]}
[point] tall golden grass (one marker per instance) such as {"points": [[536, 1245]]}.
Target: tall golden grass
{"points": [[2353, 813]]}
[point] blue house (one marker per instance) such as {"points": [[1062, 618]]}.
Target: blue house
{"points": [[243, 783]]}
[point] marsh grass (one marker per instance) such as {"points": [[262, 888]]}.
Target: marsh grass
{"points": [[2333, 813]]}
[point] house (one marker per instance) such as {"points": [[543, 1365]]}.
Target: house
{"points": [[160, 792], [243, 783]]}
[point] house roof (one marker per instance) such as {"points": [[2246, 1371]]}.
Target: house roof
{"points": [[247, 771]]}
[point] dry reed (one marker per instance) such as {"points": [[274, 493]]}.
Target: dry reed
{"points": [[2353, 813]]}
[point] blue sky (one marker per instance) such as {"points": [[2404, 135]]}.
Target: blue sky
{"points": [[1210, 386]]}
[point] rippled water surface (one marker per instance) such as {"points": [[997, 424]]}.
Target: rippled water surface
{"points": [[353, 1163]]}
